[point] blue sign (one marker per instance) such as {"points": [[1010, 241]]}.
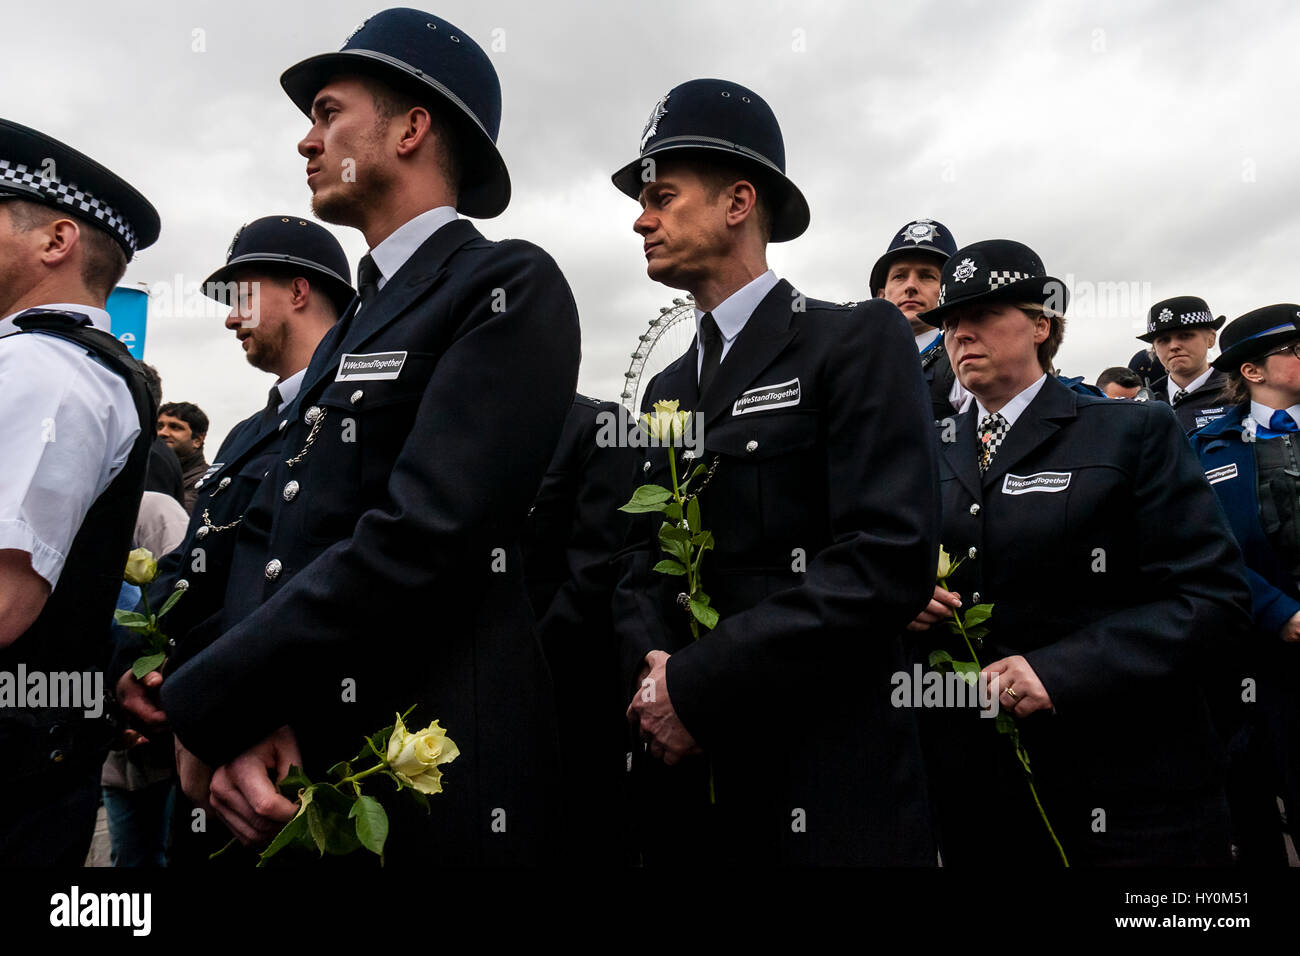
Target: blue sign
{"points": [[128, 310]]}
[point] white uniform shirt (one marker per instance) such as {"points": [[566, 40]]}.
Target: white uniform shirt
{"points": [[400, 244], [733, 313], [67, 424]]}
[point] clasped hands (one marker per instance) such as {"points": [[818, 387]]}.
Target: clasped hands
{"points": [[652, 710], [1011, 680], [241, 793]]}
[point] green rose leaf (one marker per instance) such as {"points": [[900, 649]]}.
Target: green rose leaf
{"points": [[693, 515], [293, 833], [977, 615], [149, 662], [647, 498], [668, 566], [670, 532], [940, 657], [1005, 723], [968, 670], [171, 601], [294, 781], [703, 541], [328, 821], [128, 618], [704, 614], [371, 823]]}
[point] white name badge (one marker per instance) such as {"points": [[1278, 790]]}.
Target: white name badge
{"points": [[376, 365], [1215, 475], [1045, 481], [767, 396]]}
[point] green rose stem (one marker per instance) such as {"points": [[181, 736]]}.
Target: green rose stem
{"points": [[1013, 732]]}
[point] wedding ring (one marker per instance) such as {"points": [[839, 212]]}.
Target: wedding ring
{"points": [[1010, 692]]}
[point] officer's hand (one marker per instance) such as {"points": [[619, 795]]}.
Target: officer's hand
{"points": [[1016, 686], [244, 794], [940, 607], [139, 699], [664, 734], [1291, 629], [194, 774]]}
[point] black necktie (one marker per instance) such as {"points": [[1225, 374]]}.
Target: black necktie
{"points": [[272, 411], [711, 338], [367, 278]]}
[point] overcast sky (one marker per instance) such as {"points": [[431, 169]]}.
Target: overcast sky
{"points": [[1149, 145]]}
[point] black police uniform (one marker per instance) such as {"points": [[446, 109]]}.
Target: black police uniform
{"points": [[1112, 571], [823, 509], [572, 532], [378, 566]]}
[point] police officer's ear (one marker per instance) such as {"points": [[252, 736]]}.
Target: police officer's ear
{"points": [[299, 292], [1211, 336]]}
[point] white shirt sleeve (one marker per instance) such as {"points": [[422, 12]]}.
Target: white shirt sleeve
{"points": [[67, 424]]}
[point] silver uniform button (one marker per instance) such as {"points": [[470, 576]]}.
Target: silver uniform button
{"points": [[273, 569], [973, 552], [975, 598], [290, 491], [646, 466], [201, 533], [355, 396], [974, 509], [751, 446], [313, 413], [223, 483]]}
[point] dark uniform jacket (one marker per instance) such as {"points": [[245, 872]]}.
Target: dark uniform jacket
{"points": [[939, 378], [573, 531], [378, 568], [1197, 409], [824, 514], [1111, 569]]}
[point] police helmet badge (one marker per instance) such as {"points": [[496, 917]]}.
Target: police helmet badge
{"points": [[1164, 316], [230, 252], [652, 124], [923, 230], [965, 269]]}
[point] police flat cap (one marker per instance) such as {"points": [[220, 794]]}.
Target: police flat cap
{"points": [[1253, 335], [38, 168], [1180, 312], [995, 270]]}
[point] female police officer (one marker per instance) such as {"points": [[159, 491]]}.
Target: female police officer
{"points": [[1251, 457], [1113, 578]]}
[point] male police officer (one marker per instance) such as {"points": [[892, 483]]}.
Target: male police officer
{"points": [[377, 566], [287, 282], [823, 507], [908, 276], [76, 425], [1182, 331]]}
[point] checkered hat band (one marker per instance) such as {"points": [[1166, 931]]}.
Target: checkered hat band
{"points": [[25, 180], [1001, 277], [1187, 318]]}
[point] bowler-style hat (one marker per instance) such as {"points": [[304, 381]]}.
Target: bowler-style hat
{"points": [[725, 121], [38, 168], [287, 243], [425, 54], [1257, 333], [1180, 312], [921, 237], [995, 270]]}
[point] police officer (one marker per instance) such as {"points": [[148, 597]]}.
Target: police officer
{"points": [[377, 567], [908, 276], [822, 505], [75, 431], [287, 281], [1070, 511], [1251, 457], [1181, 330]]}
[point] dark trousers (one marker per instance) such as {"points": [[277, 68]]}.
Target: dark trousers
{"points": [[49, 819]]}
